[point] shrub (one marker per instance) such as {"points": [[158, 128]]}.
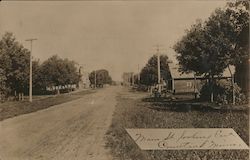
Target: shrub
{"points": [[222, 90]]}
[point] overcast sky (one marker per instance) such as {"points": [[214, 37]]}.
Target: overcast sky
{"points": [[117, 36]]}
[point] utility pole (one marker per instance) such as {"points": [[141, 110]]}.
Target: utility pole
{"points": [[195, 89], [80, 77], [233, 89], [158, 64], [232, 80], [139, 78], [95, 79], [158, 67], [132, 78], [30, 79]]}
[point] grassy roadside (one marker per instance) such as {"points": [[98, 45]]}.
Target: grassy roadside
{"points": [[12, 109], [134, 113]]}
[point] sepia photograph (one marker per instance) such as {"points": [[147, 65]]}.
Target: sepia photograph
{"points": [[124, 80]]}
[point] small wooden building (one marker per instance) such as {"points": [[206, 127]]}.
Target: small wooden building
{"points": [[188, 82]]}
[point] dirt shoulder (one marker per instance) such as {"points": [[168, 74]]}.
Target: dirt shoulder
{"points": [[15, 108]]}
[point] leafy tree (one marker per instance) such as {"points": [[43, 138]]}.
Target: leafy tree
{"points": [[149, 74], [240, 12], [3, 88], [102, 77], [56, 71], [14, 69], [14, 64], [136, 79], [209, 48], [39, 86]]}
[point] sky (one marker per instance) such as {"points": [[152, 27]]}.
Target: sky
{"points": [[119, 36]]}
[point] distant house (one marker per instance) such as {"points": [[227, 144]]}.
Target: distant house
{"points": [[128, 78], [188, 82]]}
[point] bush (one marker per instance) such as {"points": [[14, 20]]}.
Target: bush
{"points": [[140, 87], [222, 90]]}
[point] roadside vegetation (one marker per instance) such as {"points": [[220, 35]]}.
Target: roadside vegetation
{"points": [[209, 47], [99, 78], [14, 108], [55, 72], [132, 112], [148, 75]]}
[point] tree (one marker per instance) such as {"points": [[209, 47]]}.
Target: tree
{"points": [[136, 79], [149, 74], [102, 77], [240, 12], [3, 88], [209, 48], [56, 71], [14, 65]]}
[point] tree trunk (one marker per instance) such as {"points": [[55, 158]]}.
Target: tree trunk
{"points": [[195, 88], [232, 82], [212, 89], [19, 96], [15, 96], [212, 97], [22, 97]]}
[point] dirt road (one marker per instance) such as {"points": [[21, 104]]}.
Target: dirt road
{"points": [[69, 131]]}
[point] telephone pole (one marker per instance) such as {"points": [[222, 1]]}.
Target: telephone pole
{"points": [[95, 79], [139, 78], [30, 79], [158, 66]]}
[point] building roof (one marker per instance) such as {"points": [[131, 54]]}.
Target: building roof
{"points": [[176, 74]]}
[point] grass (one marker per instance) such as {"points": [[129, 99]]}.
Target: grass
{"points": [[15, 108], [135, 113]]}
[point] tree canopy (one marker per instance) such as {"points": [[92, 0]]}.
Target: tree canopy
{"points": [[102, 77], [14, 69], [149, 74], [14, 64], [57, 71], [211, 46]]}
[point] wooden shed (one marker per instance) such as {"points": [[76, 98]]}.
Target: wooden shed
{"points": [[188, 82]]}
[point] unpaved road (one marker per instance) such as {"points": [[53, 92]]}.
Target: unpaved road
{"points": [[69, 131]]}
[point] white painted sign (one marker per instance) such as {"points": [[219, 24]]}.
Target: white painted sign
{"points": [[187, 138]]}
